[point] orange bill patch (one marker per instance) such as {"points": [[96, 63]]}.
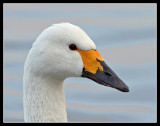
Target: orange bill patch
{"points": [[90, 62]]}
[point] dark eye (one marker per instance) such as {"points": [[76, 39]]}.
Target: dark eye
{"points": [[72, 46]]}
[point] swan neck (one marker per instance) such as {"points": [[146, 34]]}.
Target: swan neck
{"points": [[44, 100]]}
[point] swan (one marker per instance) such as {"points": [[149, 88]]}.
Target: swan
{"points": [[62, 50]]}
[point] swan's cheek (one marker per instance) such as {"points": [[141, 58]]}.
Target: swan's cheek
{"points": [[75, 66], [69, 65]]}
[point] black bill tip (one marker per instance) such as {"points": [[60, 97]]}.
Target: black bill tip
{"points": [[126, 89], [106, 77]]}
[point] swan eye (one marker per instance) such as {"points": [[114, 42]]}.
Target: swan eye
{"points": [[72, 46]]}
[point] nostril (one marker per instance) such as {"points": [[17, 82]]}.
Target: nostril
{"points": [[107, 74]]}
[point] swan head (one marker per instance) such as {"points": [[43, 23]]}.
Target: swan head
{"points": [[65, 50]]}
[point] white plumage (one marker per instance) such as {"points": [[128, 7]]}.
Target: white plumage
{"points": [[48, 64]]}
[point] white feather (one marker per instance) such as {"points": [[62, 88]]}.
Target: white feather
{"points": [[49, 63]]}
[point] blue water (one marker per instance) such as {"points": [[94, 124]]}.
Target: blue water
{"points": [[125, 35]]}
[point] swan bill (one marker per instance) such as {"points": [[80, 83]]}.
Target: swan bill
{"points": [[106, 77], [90, 62], [101, 73]]}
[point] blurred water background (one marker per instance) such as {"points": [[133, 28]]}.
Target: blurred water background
{"points": [[125, 36]]}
